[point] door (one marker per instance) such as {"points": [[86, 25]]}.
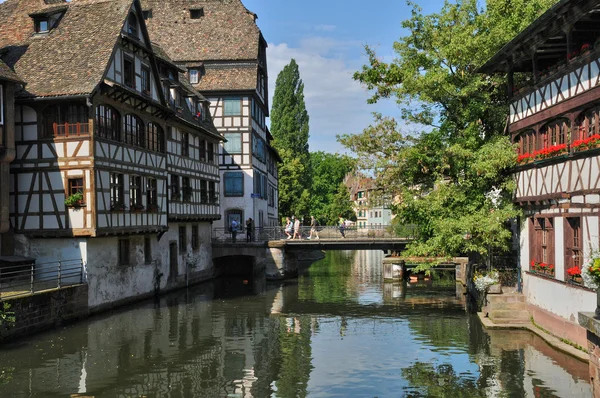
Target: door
{"points": [[172, 260]]}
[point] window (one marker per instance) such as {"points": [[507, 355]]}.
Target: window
{"points": [[202, 149], [194, 76], [156, 138], [132, 25], [186, 188], [147, 250], [213, 198], [526, 142], [133, 129], [135, 192], [128, 72], [185, 144], [258, 148], [271, 199], [210, 152], [260, 184], [232, 107], [117, 200], [123, 251], [203, 191], [557, 132], [147, 14], [542, 240], [151, 195], [195, 238], [108, 124], [42, 25], [588, 124], [196, 13], [75, 186], [233, 144], [175, 194], [182, 239], [145, 80], [66, 120], [234, 183]]}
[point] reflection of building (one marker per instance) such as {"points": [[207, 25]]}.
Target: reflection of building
{"points": [[370, 205], [9, 81], [116, 156], [554, 120], [224, 55]]}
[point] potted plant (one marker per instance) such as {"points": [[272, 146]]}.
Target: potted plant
{"points": [[575, 274], [74, 200], [136, 207], [488, 282], [153, 208], [118, 206]]}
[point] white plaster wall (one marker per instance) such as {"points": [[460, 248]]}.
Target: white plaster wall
{"points": [[245, 203], [48, 252], [202, 258], [559, 299], [539, 366], [559, 249]]}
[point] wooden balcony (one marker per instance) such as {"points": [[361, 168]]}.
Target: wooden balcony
{"points": [[575, 77]]}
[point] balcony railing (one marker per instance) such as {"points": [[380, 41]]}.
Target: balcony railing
{"points": [[70, 129]]}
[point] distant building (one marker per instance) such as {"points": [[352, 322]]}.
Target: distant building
{"points": [[116, 156], [371, 207], [9, 82], [223, 52]]}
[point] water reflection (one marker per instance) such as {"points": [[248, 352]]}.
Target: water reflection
{"points": [[338, 330]]}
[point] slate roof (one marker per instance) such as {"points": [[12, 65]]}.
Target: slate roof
{"points": [[7, 74], [70, 59], [227, 31], [229, 77]]}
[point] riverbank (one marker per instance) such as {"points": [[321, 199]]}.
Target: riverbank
{"points": [[552, 341]]}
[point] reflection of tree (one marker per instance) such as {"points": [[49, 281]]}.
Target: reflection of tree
{"points": [[296, 357], [442, 332], [440, 381], [329, 280]]}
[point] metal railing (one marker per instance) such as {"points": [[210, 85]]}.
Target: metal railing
{"points": [[225, 235], [26, 279]]}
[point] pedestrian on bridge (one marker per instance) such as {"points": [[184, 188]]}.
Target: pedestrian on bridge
{"points": [[297, 229], [313, 228], [234, 229], [342, 225], [249, 229], [288, 228]]}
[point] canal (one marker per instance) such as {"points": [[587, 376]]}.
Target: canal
{"points": [[336, 331]]}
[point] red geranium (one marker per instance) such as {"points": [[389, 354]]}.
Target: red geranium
{"points": [[574, 271]]}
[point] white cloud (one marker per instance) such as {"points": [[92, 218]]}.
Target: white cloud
{"points": [[336, 103]]}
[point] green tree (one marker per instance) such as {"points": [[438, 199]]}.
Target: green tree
{"points": [[289, 127], [328, 172], [451, 176]]}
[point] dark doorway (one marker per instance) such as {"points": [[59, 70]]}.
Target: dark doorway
{"points": [[172, 260]]}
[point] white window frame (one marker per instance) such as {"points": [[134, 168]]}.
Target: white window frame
{"points": [[194, 76]]}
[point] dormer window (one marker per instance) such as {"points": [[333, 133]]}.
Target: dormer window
{"points": [[196, 13], [147, 14], [194, 76], [132, 25], [42, 25]]}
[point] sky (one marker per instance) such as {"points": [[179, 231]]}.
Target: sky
{"points": [[327, 39]]}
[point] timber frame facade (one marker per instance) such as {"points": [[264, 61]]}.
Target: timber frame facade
{"points": [[115, 164], [230, 69], [554, 122]]}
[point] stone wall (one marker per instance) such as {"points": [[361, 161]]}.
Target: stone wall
{"points": [[45, 310]]}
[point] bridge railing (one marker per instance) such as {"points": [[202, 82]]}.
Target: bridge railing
{"points": [[225, 235]]}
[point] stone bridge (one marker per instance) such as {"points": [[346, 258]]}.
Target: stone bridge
{"points": [[279, 257]]}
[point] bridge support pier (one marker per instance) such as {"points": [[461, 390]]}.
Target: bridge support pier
{"points": [[394, 269], [279, 263]]}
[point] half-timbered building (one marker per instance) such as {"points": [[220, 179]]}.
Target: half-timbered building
{"points": [[223, 52], [9, 81], [112, 150], [553, 69]]}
